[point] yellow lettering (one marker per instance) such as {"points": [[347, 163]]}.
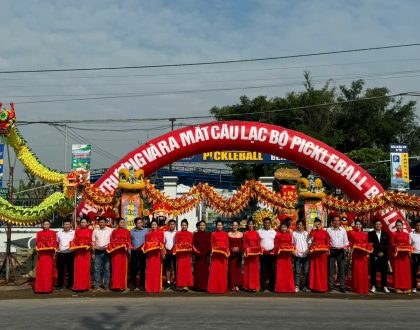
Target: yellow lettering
{"points": [[207, 155]]}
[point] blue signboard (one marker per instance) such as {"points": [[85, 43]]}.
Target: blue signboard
{"points": [[235, 157], [400, 177]]}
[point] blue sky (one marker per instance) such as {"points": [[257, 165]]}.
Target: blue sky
{"points": [[61, 34]]}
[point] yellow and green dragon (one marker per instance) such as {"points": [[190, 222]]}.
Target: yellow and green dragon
{"points": [[58, 201]]}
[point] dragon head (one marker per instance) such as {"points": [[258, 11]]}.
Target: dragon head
{"points": [[310, 188], [78, 177], [7, 119], [130, 179]]}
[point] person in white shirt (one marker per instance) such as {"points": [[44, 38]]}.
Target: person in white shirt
{"points": [[170, 260], [65, 256], [339, 243], [267, 259], [300, 239], [101, 237], [415, 256]]}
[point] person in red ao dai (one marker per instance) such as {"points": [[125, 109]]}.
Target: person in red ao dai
{"points": [[155, 252], [235, 258], [182, 249], [218, 282], [46, 246], [400, 244], [284, 248], [252, 252], [82, 245], [118, 248], [361, 248], [319, 249], [201, 250]]}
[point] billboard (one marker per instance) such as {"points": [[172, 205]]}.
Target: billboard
{"points": [[81, 157], [235, 157], [400, 178]]}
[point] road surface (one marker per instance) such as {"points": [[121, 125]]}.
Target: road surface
{"points": [[208, 312]]}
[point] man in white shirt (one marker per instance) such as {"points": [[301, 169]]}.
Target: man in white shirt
{"points": [[300, 239], [101, 238], [339, 243], [65, 256], [170, 260], [415, 256], [268, 258]]}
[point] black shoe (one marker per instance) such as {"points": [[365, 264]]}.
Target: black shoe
{"points": [[132, 288], [58, 288], [342, 290], [330, 290]]}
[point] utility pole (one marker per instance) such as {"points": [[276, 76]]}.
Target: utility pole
{"points": [[65, 147], [172, 120], [9, 262], [9, 227]]}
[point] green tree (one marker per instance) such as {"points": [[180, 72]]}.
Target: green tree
{"points": [[375, 122], [348, 118], [375, 161]]}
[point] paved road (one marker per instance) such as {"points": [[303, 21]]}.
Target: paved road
{"points": [[208, 313]]}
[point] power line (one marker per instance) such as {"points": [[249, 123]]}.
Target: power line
{"points": [[159, 93], [210, 72], [259, 59], [105, 152], [82, 140], [134, 95], [348, 75], [415, 93]]}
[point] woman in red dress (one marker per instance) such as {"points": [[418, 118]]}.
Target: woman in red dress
{"points": [[118, 248], [235, 258], [155, 252], [320, 247], [82, 244], [400, 244], [252, 252], [201, 250], [46, 246], [183, 251], [284, 248], [360, 251], [218, 282]]}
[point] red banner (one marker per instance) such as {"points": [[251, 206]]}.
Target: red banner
{"points": [[297, 147]]}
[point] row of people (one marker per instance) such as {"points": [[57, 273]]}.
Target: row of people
{"points": [[273, 260]]}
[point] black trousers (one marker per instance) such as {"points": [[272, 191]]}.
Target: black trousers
{"points": [[336, 255], [65, 264], [415, 264], [137, 262], [268, 271], [379, 264]]}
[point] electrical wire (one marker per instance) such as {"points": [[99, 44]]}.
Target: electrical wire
{"points": [[98, 150], [259, 59], [254, 79], [150, 119], [211, 72]]}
